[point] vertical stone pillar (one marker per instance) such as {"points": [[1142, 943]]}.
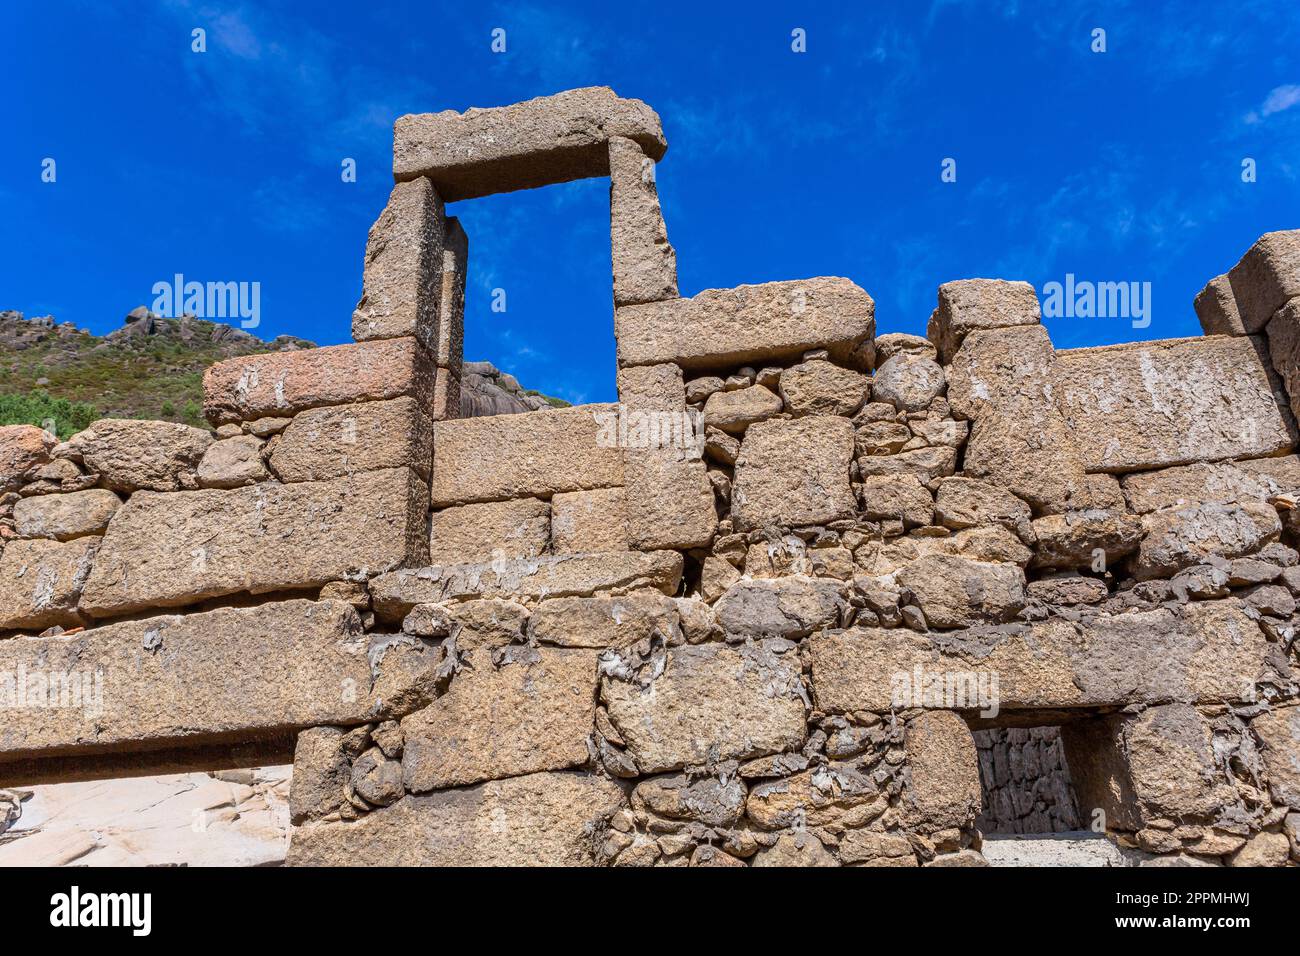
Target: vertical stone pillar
{"points": [[402, 295], [449, 349], [645, 265], [402, 280]]}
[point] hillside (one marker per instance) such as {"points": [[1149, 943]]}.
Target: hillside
{"points": [[152, 367]]}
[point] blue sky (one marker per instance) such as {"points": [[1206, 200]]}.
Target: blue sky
{"points": [[225, 165]]}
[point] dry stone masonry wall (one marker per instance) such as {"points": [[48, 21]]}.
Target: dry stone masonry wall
{"points": [[805, 595]]}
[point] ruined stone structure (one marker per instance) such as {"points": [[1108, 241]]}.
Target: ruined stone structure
{"points": [[752, 614]]}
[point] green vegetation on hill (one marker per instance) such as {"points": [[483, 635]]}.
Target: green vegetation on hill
{"points": [[150, 368], [58, 415]]}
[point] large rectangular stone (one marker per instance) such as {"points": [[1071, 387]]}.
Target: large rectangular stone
{"points": [[499, 457], [710, 703], [340, 440], [542, 819], [589, 521], [1148, 405], [723, 328], [522, 711], [198, 679], [527, 579], [490, 531], [1255, 479], [284, 383], [41, 581], [402, 278], [645, 265], [794, 472], [550, 139], [173, 549], [1207, 652]]}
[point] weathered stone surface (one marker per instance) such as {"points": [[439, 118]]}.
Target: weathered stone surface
{"points": [[945, 783], [1171, 763], [865, 846], [519, 712], [882, 438], [550, 139], [490, 531], [1217, 483], [712, 801], [1263, 849], [605, 622], [1205, 652], [735, 411], [216, 676], [925, 463], [488, 622], [22, 447], [823, 388], [751, 323], [653, 388], [794, 473], [324, 443], [232, 463], [795, 850], [1072, 540], [967, 503], [544, 819], [538, 454], [897, 498], [789, 607], [979, 544], [168, 550], [593, 520], [645, 265], [970, 304], [567, 575], [284, 383], [1002, 379], [898, 343], [402, 279], [1172, 402], [320, 774], [955, 592], [710, 703], [1065, 589], [1279, 736], [1284, 349], [669, 500], [376, 779], [129, 454], [1216, 307], [1266, 277], [1178, 538], [449, 349], [41, 581], [64, 517], [908, 381]]}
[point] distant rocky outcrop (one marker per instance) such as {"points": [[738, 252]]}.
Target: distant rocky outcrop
{"points": [[486, 390], [152, 367]]}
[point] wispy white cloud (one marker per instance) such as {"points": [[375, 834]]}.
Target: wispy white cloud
{"points": [[1279, 99]]}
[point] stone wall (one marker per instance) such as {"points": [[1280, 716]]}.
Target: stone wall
{"points": [[1025, 782], [750, 614]]}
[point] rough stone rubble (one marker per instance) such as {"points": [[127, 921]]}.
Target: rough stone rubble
{"points": [[806, 595]]}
